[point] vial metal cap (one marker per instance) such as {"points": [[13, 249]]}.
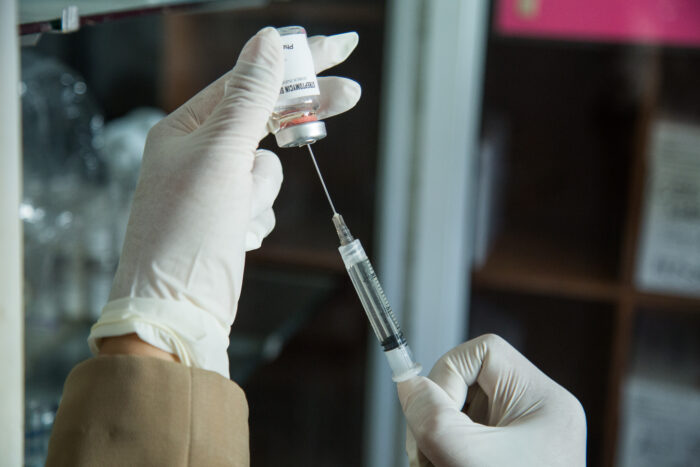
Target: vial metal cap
{"points": [[300, 135]]}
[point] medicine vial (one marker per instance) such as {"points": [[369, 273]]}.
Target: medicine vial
{"points": [[298, 102]]}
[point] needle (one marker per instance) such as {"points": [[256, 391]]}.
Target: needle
{"points": [[321, 178]]}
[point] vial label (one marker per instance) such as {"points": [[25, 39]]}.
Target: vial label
{"points": [[299, 76]]}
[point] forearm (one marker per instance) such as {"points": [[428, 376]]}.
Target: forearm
{"points": [[130, 344]]}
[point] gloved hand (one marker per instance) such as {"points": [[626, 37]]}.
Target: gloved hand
{"points": [[515, 414], [204, 197]]}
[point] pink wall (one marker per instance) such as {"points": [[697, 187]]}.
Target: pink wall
{"points": [[649, 21]]}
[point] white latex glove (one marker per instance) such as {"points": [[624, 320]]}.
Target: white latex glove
{"points": [[516, 415], [204, 197]]}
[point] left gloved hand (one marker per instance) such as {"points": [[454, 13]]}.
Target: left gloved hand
{"points": [[515, 415], [204, 197]]}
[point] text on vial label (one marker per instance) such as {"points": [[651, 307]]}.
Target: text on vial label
{"points": [[299, 74]]}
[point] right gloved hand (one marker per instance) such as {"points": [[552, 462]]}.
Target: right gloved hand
{"points": [[515, 414], [204, 198]]}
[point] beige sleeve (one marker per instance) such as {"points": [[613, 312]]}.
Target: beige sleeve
{"points": [[141, 411]]}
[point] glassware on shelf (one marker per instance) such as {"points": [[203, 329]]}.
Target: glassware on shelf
{"points": [[62, 137], [39, 416], [63, 174]]}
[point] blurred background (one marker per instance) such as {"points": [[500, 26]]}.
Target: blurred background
{"points": [[529, 168]]}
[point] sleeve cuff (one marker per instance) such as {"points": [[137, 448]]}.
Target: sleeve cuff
{"points": [[185, 330]]}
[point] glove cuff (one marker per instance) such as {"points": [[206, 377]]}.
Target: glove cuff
{"points": [[185, 330]]}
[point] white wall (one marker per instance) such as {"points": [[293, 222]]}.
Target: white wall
{"points": [[11, 329], [431, 108]]}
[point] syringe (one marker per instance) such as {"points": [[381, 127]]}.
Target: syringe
{"points": [[371, 294]]}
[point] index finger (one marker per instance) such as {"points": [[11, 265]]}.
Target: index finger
{"points": [[328, 51], [502, 372]]}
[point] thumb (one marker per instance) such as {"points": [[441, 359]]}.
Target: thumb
{"points": [[267, 180], [435, 420], [423, 401], [251, 90]]}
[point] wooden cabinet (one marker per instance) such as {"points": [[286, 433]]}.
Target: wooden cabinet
{"points": [[559, 280]]}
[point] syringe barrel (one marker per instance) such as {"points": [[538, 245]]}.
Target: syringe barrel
{"points": [[371, 295], [378, 310]]}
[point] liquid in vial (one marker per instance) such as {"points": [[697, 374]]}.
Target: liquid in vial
{"points": [[298, 102]]}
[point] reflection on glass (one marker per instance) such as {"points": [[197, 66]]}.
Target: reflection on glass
{"points": [[78, 177]]}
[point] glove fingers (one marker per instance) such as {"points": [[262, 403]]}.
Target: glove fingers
{"points": [[267, 180], [514, 386], [251, 90], [449, 374], [328, 51], [338, 95], [516, 415], [435, 420], [484, 360], [259, 228], [421, 398]]}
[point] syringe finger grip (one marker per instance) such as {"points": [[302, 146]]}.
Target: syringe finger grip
{"points": [[352, 253]]}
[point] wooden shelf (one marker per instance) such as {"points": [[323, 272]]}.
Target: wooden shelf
{"points": [[297, 257], [575, 181], [671, 303], [522, 263]]}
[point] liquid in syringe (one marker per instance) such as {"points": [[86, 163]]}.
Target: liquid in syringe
{"points": [[372, 297]]}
